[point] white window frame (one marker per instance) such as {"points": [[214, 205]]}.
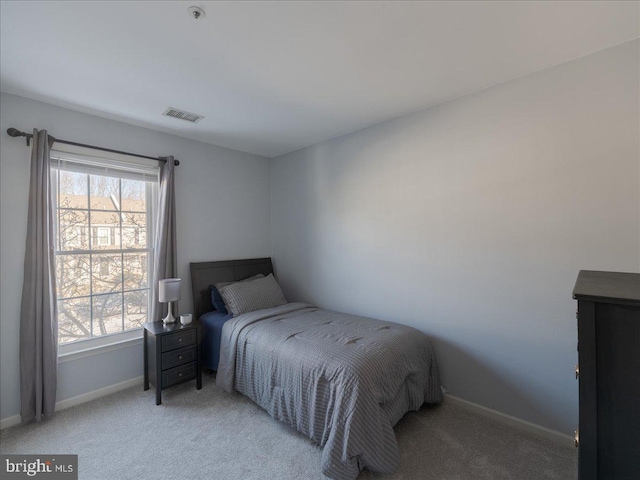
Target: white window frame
{"points": [[102, 242], [128, 338]]}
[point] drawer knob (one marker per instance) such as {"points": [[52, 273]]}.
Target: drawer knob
{"points": [[180, 358], [576, 438], [180, 374], [179, 339], [577, 371]]}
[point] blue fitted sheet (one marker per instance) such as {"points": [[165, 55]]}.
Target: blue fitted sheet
{"points": [[212, 323]]}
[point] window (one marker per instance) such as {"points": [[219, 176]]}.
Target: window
{"points": [[104, 236], [104, 245]]}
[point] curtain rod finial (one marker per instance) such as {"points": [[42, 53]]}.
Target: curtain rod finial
{"points": [[14, 132]]}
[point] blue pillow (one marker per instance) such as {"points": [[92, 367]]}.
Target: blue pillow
{"points": [[216, 300]]}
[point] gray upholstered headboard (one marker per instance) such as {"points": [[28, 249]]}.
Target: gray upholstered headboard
{"points": [[205, 274]]}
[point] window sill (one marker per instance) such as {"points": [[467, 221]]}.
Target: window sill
{"points": [[89, 348]]}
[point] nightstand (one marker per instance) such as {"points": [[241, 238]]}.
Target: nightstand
{"points": [[171, 355]]}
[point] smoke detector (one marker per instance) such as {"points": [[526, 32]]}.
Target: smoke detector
{"points": [[182, 115], [196, 13]]}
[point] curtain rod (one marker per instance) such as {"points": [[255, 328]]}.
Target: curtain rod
{"points": [[14, 132]]}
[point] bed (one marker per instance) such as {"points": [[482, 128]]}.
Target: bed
{"points": [[342, 380]]}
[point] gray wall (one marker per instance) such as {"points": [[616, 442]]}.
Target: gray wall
{"points": [[222, 199], [470, 221]]}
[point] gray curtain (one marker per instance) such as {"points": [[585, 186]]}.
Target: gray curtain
{"points": [[38, 316], [165, 263]]}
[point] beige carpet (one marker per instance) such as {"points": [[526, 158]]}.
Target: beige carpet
{"points": [[210, 435]]}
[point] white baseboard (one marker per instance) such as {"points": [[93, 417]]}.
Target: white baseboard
{"points": [[533, 428], [78, 399]]}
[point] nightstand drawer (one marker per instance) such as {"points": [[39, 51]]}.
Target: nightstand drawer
{"points": [[178, 340], [178, 374], [178, 357]]}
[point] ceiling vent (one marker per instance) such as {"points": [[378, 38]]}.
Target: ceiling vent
{"points": [[182, 115]]}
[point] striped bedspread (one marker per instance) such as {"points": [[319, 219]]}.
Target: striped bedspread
{"points": [[340, 379]]}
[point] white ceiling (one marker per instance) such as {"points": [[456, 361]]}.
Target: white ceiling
{"points": [[273, 77]]}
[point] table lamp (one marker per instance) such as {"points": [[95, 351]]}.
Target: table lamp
{"points": [[169, 291]]}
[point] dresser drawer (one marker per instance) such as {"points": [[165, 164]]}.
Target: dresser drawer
{"points": [[178, 340], [178, 374], [178, 357]]}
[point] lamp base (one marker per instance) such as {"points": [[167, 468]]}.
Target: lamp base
{"points": [[169, 318]]}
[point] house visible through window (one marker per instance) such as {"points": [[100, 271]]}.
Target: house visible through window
{"points": [[104, 245]]}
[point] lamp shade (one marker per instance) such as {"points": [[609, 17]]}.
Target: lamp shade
{"points": [[169, 290]]}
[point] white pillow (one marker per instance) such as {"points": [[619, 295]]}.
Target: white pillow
{"points": [[255, 295]]}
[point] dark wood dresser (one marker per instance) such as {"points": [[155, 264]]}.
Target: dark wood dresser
{"points": [[171, 355], [608, 315]]}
